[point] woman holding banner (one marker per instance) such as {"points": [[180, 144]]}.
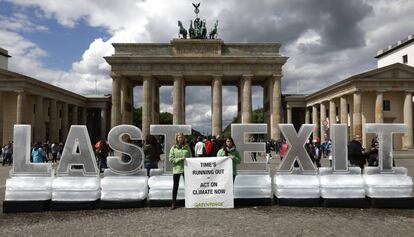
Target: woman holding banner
{"points": [[229, 149], [178, 153]]}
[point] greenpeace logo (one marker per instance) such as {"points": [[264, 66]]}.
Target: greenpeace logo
{"points": [[208, 204]]}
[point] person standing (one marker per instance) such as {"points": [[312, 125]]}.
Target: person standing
{"points": [[102, 153], [229, 149], [283, 149], [356, 155], [209, 147], [38, 154], [199, 148], [218, 144], [177, 155], [8, 154], [55, 150], [152, 151]]}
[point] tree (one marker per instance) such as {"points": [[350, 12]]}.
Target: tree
{"points": [[166, 118], [257, 117]]}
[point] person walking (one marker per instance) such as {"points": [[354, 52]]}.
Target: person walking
{"points": [[177, 155], [229, 150]]}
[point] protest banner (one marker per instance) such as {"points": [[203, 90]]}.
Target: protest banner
{"points": [[208, 182]]}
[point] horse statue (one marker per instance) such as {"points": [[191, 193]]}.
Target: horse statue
{"points": [[204, 30], [213, 32], [182, 31], [191, 30]]}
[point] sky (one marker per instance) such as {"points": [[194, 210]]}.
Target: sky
{"points": [[64, 42]]}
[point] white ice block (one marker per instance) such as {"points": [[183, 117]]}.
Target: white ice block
{"points": [[253, 185], [387, 185], [160, 187], [124, 188], [296, 186], [76, 189], [341, 185], [28, 188]]}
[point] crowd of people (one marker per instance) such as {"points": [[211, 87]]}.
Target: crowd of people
{"points": [[40, 152]]}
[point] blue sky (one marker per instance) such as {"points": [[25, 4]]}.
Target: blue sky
{"points": [[63, 42], [64, 45]]}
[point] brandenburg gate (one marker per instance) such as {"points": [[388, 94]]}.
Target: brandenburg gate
{"points": [[189, 62]]}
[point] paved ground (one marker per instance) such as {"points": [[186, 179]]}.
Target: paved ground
{"points": [[254, 221]]}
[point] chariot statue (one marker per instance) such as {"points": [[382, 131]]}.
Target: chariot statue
{"points": [[198, 28]]}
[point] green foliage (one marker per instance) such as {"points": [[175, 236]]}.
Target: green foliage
{"points": [[257, 117], [166, 118]]}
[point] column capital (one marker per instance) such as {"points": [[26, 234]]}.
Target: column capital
{"points": [[276, 75], [146, 76], [380, 91], [247, 75], [409, 92], [177, 76]]}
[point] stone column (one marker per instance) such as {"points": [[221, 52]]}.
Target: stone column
{"points": [[21, 107], [332, 112], [276, 106], [315, 121], [65, 119], [116, 102], [379, 107], [267, 104], [75, 115], [147, 105], [344, 110], [239, 101], [155, 102], [307, 115], [246, 114], [84, 115], [39, 131], [1, 118], [183, 102], [178, 100], [408, 120], [103, 123], [288, 114], [322, 119], [357, 116], [53, 128], [216, 116], [125, 101]]}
